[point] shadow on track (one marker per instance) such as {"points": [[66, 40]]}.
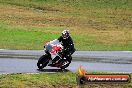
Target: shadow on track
{"points": [[53, 70]]}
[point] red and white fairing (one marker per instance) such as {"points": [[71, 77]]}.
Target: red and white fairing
{"points": [[53, 47]]}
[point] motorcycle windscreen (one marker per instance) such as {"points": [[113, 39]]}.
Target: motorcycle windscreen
{"points": [[55, 42], [49, 47]]}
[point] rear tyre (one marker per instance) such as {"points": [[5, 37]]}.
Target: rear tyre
{"points": [[43, 61], [65, 66]]}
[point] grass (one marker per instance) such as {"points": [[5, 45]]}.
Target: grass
{"points": [[94, 24], [37, 80], [25, 39], [57, 80]]}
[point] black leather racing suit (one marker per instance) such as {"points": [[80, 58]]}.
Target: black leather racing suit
{"points": [[68, 47]]}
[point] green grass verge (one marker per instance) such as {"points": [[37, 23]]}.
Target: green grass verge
{"points": [[34, 38], [18, 38], [94, 24], [55, 80]]}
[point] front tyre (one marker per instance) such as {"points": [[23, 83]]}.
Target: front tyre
{"points": [[43, 61]]}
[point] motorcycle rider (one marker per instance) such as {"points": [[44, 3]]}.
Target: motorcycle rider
{"points": [[68, 44]]}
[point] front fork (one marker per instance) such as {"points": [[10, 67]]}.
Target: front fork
{"points": [[53, 57]]}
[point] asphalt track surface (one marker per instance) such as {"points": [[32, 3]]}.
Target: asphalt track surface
{"points": [[24, 61]]}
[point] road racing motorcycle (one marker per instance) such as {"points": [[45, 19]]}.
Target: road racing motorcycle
{"points": [[53, 56]]}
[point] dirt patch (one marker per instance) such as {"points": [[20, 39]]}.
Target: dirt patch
{"points": [[110, 85], [59, 86]]}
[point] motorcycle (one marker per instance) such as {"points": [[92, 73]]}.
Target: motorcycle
{"points": [[53, 56]]}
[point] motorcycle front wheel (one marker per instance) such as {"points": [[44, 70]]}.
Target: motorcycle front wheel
{"points": [[43, 61]]}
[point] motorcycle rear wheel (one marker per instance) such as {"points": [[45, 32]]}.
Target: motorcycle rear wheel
{"points": [[65, 66], [43, 61]]}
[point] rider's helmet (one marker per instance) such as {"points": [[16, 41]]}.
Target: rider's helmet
{"points": [[65, 34]]}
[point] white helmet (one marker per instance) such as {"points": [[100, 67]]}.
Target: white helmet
{"points": [[65, 34]]}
